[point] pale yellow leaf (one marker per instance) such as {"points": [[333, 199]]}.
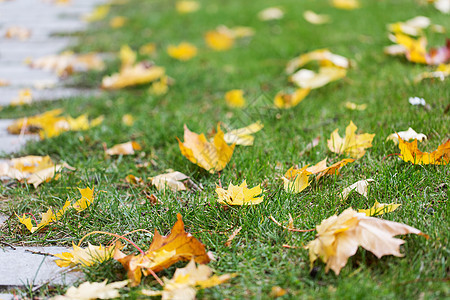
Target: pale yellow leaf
{"points": [[407, 135], [359, 186]]}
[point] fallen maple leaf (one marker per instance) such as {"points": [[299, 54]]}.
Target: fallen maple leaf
{"points": [[416, 50], [87, 198], [410, 153], [25, 97], [240, 194], [32, 169], [379, 208], [406, 136], [18, 32], [162, 86], [171, 180], [46, 218], [354, 106], [211, 156], [284, 100], [118, 21], [442, 71], [85, 257], [128, 120], [99, 13], [183, 51], [323, 56], [93, 290], [147, 49], [219, 40], [235, 98], [187, 6], [296, 180], [138, 74], [308, 79], [359, 186], [316, 19], [127, 148], [321, 169], [271, 13], [163, 252], [243, 136], [413, 26], [352, 144], [338, 238], [67, 63], [50, 124], [187, 281], [346, 4]]}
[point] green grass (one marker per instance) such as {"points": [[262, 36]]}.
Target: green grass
{"points": [[255, 65]]}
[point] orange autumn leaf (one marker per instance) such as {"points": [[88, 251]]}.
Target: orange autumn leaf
{"points": [[211, 156], [410, 153], [321, 168], [163, 252], [339, 237]]}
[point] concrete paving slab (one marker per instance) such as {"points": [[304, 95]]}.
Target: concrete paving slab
{"points": [[24, 76], [6, 296], [16, 52], [7, 94], [3, 218], [12, 143], [21, 267]]}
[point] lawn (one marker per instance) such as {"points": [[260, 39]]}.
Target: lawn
{"points": [[256, 65]]}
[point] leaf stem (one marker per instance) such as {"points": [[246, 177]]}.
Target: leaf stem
{"points": [[113, 234]]}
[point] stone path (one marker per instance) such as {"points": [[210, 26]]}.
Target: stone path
{"points": [[19, 267], [44, 19]]}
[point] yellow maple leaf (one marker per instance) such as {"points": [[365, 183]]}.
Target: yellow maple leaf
{"points": [[85, 256], [338, 238], [316, 19], [93, 290], [346, 4], [138, 74], [127, 56], [243, 136], [163, 252], [211, 156], [87, 195], [50, 124], [352, 144], [442, 71], [285, 100], [296, 180], [240, 194], [187, 6], [323, 56], [25, 97], [127, 148], [410, 153], [235, 98], [307, 79], [99, 13], [379, 208], [46, 218], [118, 21], [187, 281], [219, 40], [183, 51], [407, 135]]}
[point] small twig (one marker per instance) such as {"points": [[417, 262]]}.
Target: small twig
{"points": [[52, 279], [38, 252], [9, 245], [290, 229], [156, 277]]}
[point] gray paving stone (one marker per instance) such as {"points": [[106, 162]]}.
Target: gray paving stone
{"points": [[3, 218], [6, 296], [16, 52], [24, 76], [12, 143], [7, 94], [19, 267]]}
